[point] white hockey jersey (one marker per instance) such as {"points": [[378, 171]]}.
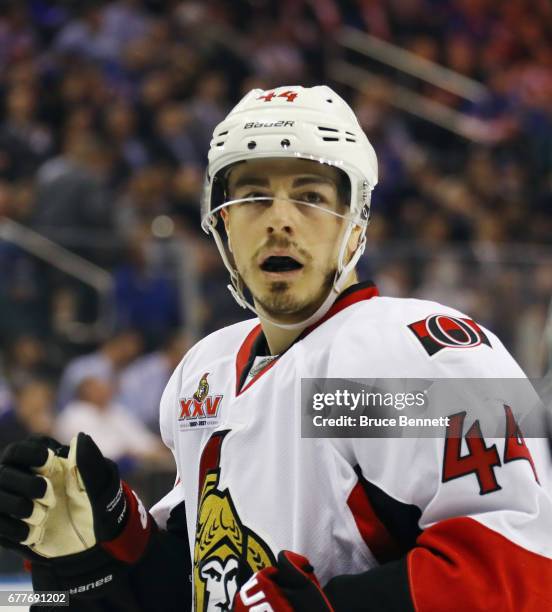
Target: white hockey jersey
{"points": [[473, 526]]}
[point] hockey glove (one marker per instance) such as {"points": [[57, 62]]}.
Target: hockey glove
{"points": [[67, 511], [290, 586]]}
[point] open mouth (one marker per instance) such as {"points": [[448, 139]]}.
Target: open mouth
{"points": [[280, 263]]}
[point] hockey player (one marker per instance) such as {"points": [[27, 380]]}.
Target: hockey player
{"points": [[260, 518]]}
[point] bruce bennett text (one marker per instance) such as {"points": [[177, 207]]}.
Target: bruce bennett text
{"points": [[365, 421]]}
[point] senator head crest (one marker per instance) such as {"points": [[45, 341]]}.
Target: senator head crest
{"points": [[202, 389]]}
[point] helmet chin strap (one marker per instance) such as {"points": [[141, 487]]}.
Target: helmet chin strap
{"points": [[338, 285]]}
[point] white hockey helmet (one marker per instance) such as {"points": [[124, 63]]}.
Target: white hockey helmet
{"points": [[312, 123]]}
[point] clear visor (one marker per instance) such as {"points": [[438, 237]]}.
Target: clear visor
{"points": [[302, 206], [313, 187]]}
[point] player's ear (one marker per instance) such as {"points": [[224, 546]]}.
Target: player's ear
{"points": [[226, 220], [353, 241]]}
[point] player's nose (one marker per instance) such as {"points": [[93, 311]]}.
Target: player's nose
{"points": [[280, 216]]}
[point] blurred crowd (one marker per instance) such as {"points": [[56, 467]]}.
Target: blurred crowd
{"points": [[106, 113], [111, 393]]}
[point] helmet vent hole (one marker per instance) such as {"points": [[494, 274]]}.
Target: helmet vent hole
{"points": [[285, 143], [327, 129], [219, 144], [330, 139], [251, 144], [222, 134], [329, 100], [350, 139]]}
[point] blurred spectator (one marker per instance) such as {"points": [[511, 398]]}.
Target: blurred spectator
{"points": [[73, 200], [22, 200], [103, 29], [156, 90], [146, 297], [121, 128], [24, 142], [6, 398], [84, 35], [173, 142], [276, 56], [142, 383], [23, 299], [146, 197], [27, 360], [125, 21], [186, 191], [117, 433], [207, 109], [444, 283], [104, 364], [18, 37], [32, 413]]}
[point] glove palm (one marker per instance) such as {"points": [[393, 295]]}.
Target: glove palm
{"points": [[65, 509]]}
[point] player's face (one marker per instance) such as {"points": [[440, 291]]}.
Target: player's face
{"points": [[286, 252]]}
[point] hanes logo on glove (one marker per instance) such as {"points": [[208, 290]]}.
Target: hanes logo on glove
{"points": [[290, 586]]}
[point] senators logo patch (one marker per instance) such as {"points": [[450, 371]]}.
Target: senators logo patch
{"points": [[438, 332], [200, 410], [226, 552]]}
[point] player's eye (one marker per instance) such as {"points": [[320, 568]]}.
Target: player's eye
{"points": [[255, 194], [250, 195], [248, 198], [312, 197]]}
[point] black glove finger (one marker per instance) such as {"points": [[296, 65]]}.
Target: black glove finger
{"points": [[104, 488], [15, 505], [22, 550], [27, 453], [96, 471], [22, 482], [12, 529], [291, 575], [46, 441]]}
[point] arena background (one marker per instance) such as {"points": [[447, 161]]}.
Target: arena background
{"points": [[106, 112]]}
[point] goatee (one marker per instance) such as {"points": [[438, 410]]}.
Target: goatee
{"points": [[279, 300]]}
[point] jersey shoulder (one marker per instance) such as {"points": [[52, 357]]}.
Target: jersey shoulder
{"points": [[412, 337], [219, 346]]}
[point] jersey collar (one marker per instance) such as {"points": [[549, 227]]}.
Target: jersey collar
{"points": [[255, 343]]}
